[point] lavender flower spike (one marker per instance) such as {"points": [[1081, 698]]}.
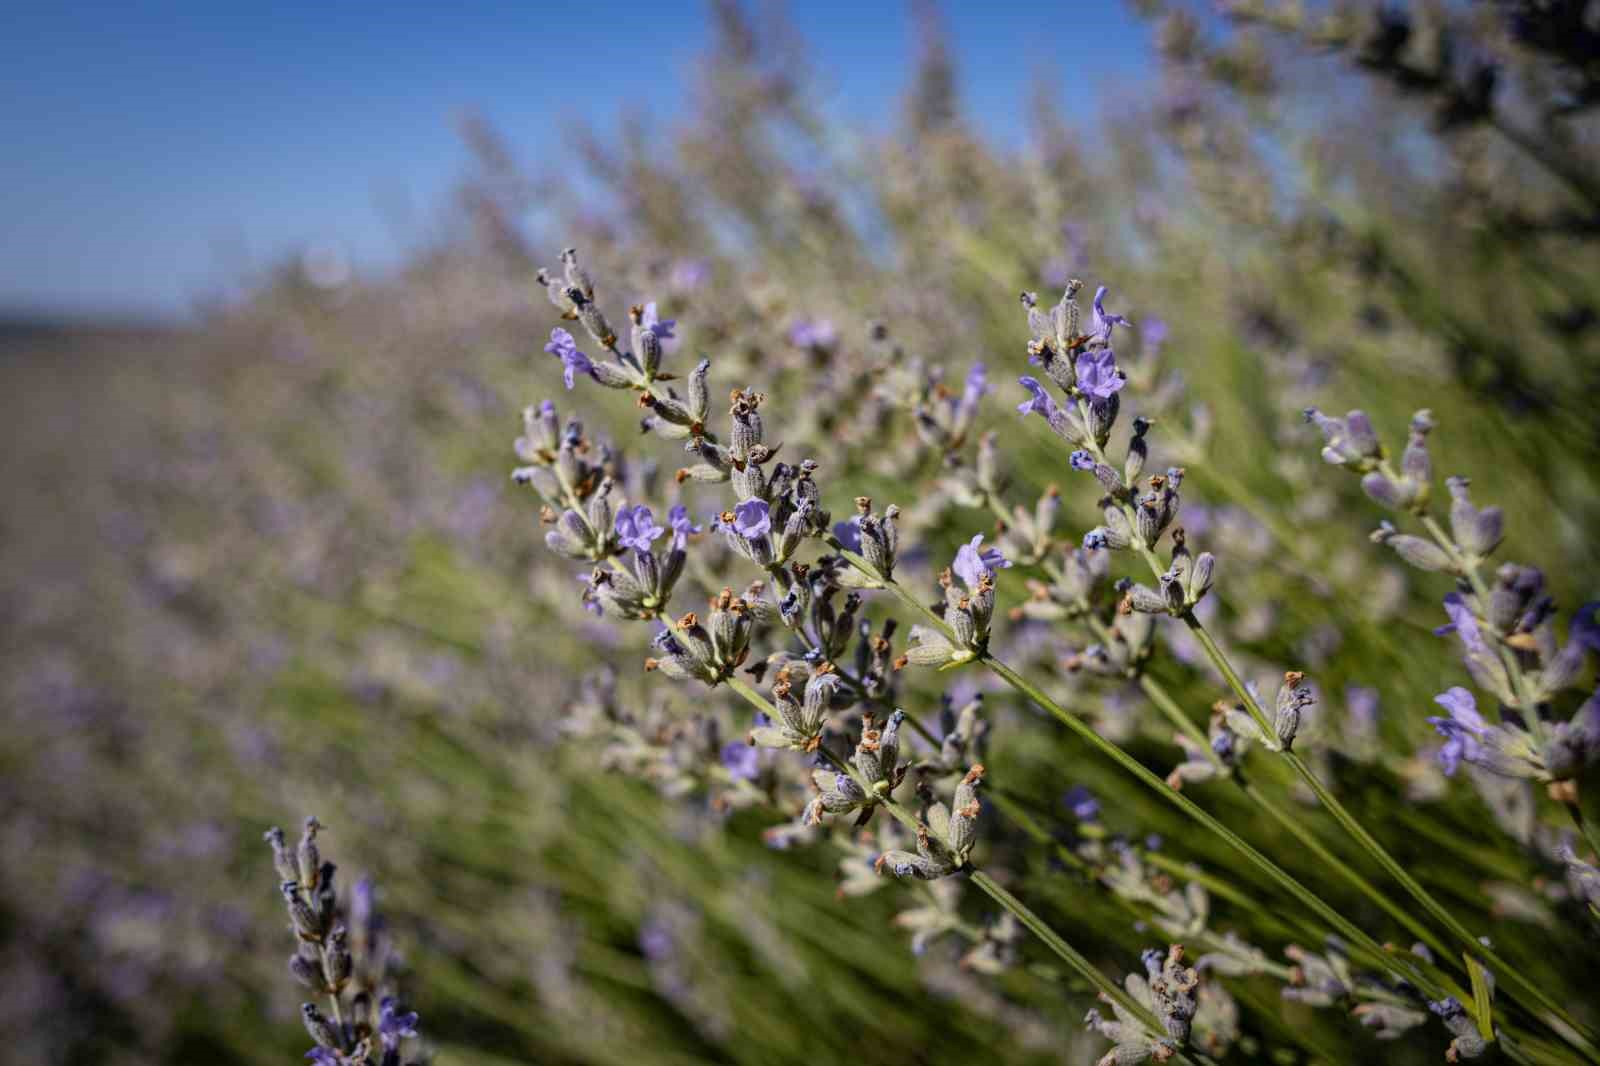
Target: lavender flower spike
{"points": [[752, 519], [636, 528], [974, 562], [563, 347], [1041, 402], [1098, 374]]}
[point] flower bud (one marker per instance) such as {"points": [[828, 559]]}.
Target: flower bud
{"points": [[320, 1028]]}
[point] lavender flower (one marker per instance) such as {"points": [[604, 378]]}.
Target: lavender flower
{"points": [[742, 761], [1101, 324], [563, 347], [752, 519], [973, 563], [395, 1025], [636, 528], [816, 333], [689, 274], [977, 383], [1041, 403], [678, 519], [1082, 803], [848, 533], [1098, 375], [661, 327], [1463, 730]]}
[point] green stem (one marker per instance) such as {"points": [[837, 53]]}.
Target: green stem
{"points": [[1036, 925], [1509, 975], [1266, 866]]}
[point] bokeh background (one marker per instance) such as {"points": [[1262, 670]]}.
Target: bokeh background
{"points": [[269, 326]]}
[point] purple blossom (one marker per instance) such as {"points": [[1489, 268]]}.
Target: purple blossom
{"points": [[678, 519], [1041, 402], [324, 1056], [1585, 629], [1463, 623], [395, 1025], [661, 327], [848, 534], [1098, 374], [976, 385], [689, 274], [1082, 803], [1100, 325], [1155, 334], [636, 528], [974, 562], [752, 519], [742, 760], [563, 347], [813, 333], [1462, 730], [1081, 460]]}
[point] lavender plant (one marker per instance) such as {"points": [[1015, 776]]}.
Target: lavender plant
{"points": [[777, 511], [341, 952]]}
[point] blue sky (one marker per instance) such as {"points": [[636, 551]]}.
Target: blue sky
{"points": [[153, 152]]}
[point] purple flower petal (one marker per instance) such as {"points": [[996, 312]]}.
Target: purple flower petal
{"points": [[973, 562], [752, 519]]}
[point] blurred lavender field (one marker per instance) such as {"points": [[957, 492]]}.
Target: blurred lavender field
{"points": [[270, 562]]}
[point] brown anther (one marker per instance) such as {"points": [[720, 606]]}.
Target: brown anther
{"points": [[902, 662], [636, 312], [1293, 678], [864, 504], [975, 773], [814, 743], [547, 515], [825, 667], [879, 644], [681, 476], [1563, 792], [799, 570], [646, 401], [945, 578], [971, 810], [1052, 490], [1126, 606], [689, 620], [1016, 614], [1072, 663], [1157, 480], [726, 518], [651, 664], [1178, 537], [964, 602], [781, 690]]}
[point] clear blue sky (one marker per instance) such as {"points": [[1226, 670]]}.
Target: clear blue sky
{"points": [[154, 151]]}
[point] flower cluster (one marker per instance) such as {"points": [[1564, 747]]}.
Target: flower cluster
{"points": [[339, 953]]}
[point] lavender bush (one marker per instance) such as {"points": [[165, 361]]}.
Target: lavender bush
{"points": [[861, 664]]}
